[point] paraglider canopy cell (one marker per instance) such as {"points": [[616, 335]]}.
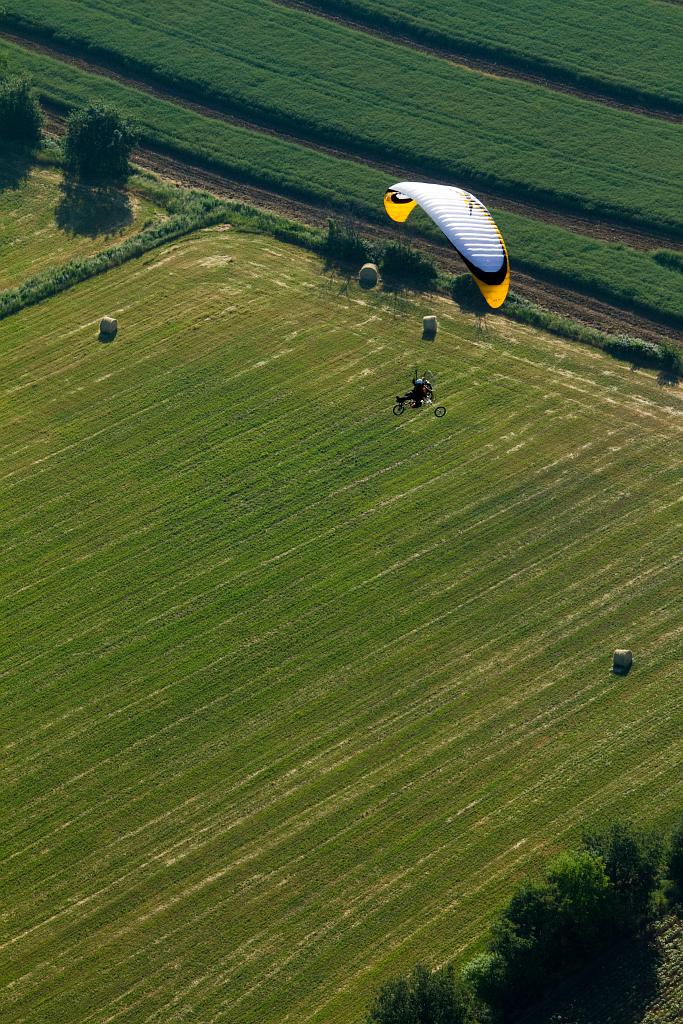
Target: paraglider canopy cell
{"points": [[466, 223]]}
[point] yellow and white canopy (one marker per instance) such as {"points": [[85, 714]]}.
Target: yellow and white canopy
{"points": [[466, 223]]}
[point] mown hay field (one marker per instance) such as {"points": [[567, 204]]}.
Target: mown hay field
{"points": [[295, 691], [304, 73], [44, 223], [604, 46], [612, 271]]}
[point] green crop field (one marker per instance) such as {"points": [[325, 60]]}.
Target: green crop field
{"points": [[43, 223], [615, 272], [304, 73], [628, 47], [295, 691]]}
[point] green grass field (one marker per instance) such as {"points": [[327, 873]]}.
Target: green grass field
{"points": [[44, 223], [615, 272], [306, 74], [294, 691], [604, 46]]}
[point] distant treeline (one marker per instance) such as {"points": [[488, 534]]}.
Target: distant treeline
{"points": [[609, 890]]}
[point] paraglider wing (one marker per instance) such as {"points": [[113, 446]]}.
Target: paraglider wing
{"points": [[466, 223]]}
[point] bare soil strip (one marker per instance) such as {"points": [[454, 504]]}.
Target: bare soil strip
{"points": [[455, 56], [585, 225]]}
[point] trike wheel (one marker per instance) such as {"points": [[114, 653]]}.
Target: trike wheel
{"points": [[399, 409], [440, 411]]}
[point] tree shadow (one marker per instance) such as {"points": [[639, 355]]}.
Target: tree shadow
{"points": [[617, 990], [15, 167], [93, 210], [668, 378]]}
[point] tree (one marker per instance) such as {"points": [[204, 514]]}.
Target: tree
{"points": [[633, 863], [20, 116], [98, 144], [581, 891], [522, 943], [422, 997]]}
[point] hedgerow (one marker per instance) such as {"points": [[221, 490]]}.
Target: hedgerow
{"points": [[292, 70], [199, 210]]}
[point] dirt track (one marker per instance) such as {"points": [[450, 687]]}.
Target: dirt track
{"points": [[585, 225]]}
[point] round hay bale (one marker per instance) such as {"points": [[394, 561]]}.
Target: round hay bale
{"points": [[622, 661], [108, 327], [368, 275], [429, 326]]}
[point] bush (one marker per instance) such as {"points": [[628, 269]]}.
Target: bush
{"points": [[633, 862], [199, 210], [672, 357], [581, 891], [20, 116], [343, 243], [546, 930], [422, 997], [405, 264], [98, 144]]}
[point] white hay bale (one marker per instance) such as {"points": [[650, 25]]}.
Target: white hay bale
{"points": [[429, 326], [368, 275], [108, 326], [622, 661]]}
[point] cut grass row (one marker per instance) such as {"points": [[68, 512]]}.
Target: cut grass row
{"points": [[611, 271], [629, 49], [296, 71], [295, 691]]}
